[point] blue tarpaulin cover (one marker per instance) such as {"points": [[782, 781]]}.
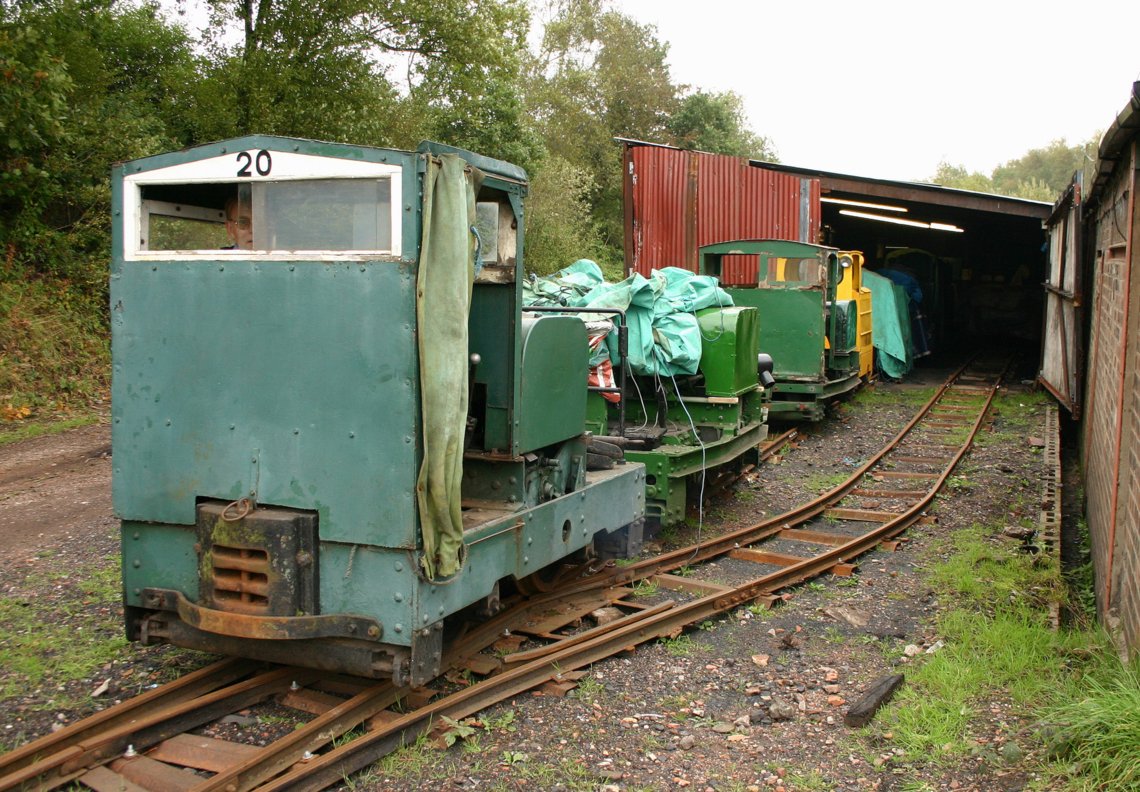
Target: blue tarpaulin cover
{"points": [[664, 337], [890, 325]]}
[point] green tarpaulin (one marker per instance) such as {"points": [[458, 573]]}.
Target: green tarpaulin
{"points": [[443, 302], [664, 337], [890, 325]]}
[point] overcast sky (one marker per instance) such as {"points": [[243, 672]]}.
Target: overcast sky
{"points": [[889, 89]]}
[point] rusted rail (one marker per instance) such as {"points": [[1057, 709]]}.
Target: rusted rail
{"points": [[140, 745]]}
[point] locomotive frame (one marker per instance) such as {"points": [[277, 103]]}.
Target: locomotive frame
{"points": [[267, 406]]}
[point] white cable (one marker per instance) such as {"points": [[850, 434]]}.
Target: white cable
{"points": [[701, 499]]}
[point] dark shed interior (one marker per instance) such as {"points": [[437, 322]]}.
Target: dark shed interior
{"points": [[981, 259]]}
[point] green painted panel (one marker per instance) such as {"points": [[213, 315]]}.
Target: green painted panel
{"points": [[792, 328], [492, 328], [729, 345], [158, 556], [552, 395], [382, 583], [294, 380]]}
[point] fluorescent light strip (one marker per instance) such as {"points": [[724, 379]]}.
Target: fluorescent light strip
{"points": [[902, 221], [865, 205], [883, 218]]}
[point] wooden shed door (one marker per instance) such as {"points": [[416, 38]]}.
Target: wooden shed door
{"points": [[1062, 344]]}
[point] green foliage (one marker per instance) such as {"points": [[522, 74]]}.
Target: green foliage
{"points": [[53, 352], [1048, 170], [1099, 728], [1040, 175], [597, 75], [561, 228], [715, 122]]}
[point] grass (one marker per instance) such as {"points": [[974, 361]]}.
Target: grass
{"points": [[822, 482], [872, 396], [54, 642], [999, 646], [1099, 733], [14, 432], [681, 646]]}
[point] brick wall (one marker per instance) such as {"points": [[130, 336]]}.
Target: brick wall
{"points": [[1111, 427]]}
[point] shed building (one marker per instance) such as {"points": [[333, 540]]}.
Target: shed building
{"points": [[981, 258]]}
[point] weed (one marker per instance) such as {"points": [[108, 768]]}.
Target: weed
{"points": [[512, 758], [589, 688], [645, 588], [502, 722], [824, 482], [833, 635], [959, 484], [816, 585], [457, 730], [681, 646]]}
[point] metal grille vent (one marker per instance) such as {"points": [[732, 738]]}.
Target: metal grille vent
{"points": [[241, 575]]}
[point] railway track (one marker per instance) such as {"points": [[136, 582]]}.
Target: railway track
{"points": [[148, 743]]}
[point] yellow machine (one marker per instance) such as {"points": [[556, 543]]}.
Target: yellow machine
{"points": [[851, 288]]}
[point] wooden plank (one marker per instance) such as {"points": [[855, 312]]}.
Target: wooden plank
{"points": [[888, 493], [922, 460], [483, 664], [341, 685], [880, 693], [565, 612], [202, 753], [815, 537], [101, 779], [313, 701], [149, 774], [861, 515], [904, 474], [557, 689], [765, 557], [689, 585]]}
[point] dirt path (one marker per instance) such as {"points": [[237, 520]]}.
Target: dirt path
{"points": [[53, 488]]}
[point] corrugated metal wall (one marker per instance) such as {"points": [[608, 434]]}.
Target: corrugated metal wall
{"points": [[676, 201]]}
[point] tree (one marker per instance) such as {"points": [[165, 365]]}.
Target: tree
{"points": [[957, 177], [92, 84], [381, 72], [714, 122], [1039, 175], [560, 229], [597, 75], [1051, 168]]}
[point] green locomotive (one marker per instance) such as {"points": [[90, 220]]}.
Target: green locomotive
{"points": [[334, 425], [812, 334]]}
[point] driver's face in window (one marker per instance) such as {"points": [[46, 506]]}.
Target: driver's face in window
{"points": [[239, 224]]}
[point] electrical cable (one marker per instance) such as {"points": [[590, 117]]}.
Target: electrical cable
{"points": [[701, 498]]}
